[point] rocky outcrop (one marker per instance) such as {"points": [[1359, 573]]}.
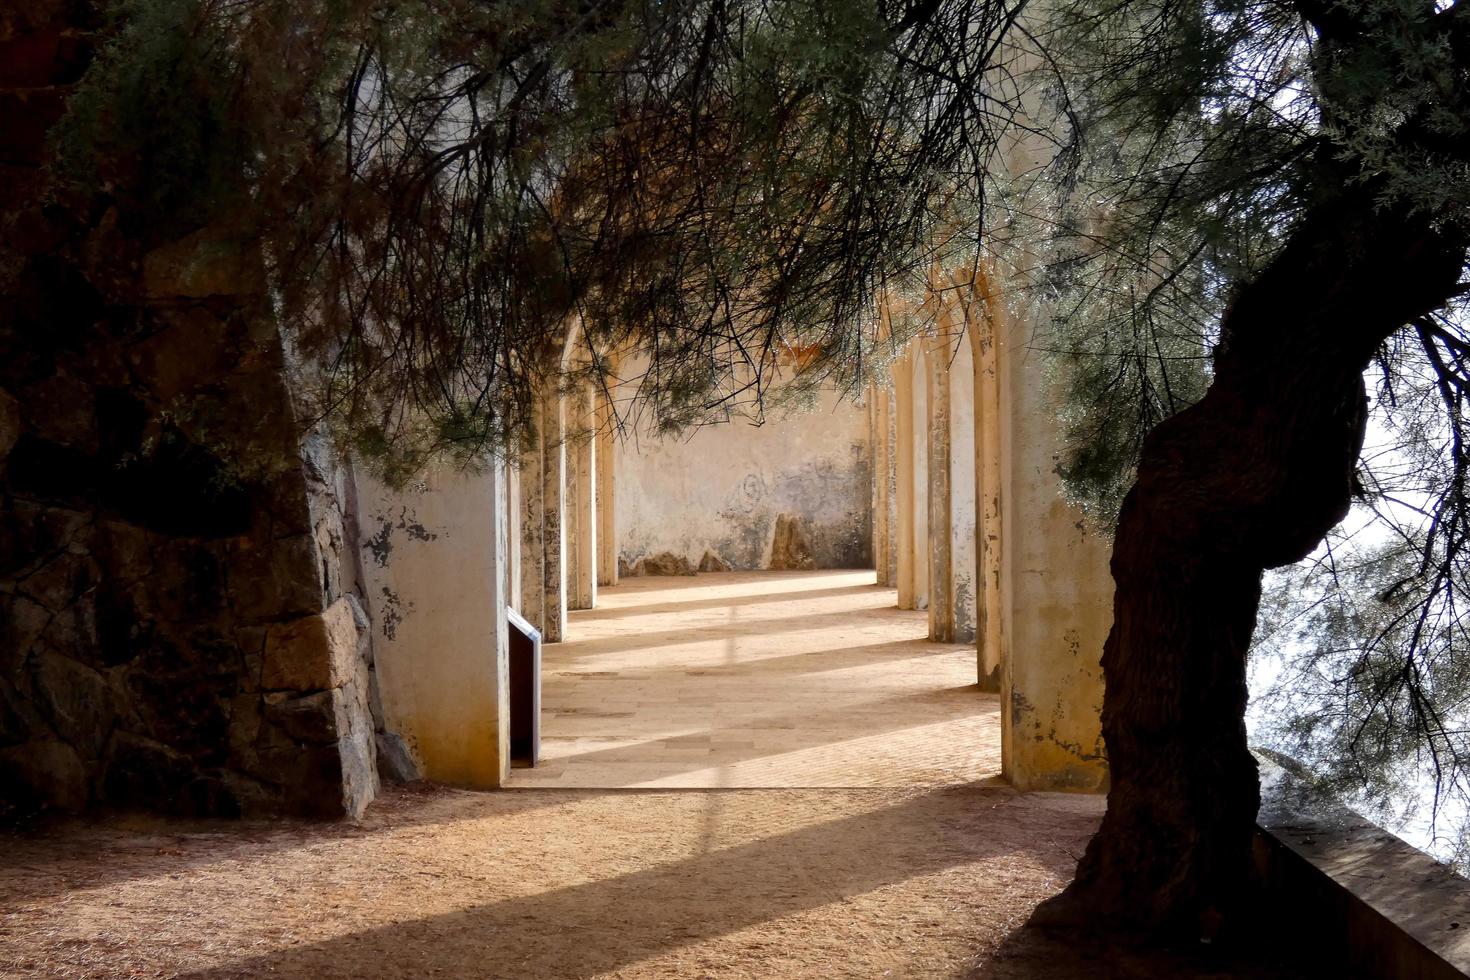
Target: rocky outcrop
{"points": [[663, 563], [712, 562], [396, 761], [176, 628], [790, 549]]}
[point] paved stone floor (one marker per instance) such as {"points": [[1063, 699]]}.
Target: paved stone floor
{"points": [[759, 679]]}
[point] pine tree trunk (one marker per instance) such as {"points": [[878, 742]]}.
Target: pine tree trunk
{"points": [[1250, 478]]}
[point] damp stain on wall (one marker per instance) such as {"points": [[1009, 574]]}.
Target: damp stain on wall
{"points": [[813, 467]]}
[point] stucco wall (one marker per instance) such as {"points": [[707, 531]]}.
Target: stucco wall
{"points": [[962, 487], [1056, 588], [435, 572], [721, 487], [920, 448]]}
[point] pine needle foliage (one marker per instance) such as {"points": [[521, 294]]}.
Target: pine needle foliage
{"points": [[1197, 136], [1187, 132], [1193, 137], [465, 203]]}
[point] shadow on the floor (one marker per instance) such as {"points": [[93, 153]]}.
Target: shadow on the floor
{"points": [[808, 730], [569, 650], [61, 855], [589, 929], [661, 605], [1029, 954], [845, 657]]}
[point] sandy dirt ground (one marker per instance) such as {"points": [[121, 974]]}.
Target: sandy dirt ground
{"points": [[747, 777], [570, 884], [735, 883], [760, 680]]}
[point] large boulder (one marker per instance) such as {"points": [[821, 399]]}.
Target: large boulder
{"points": [[312, 653], [396, 761], [39, 775], [76, 700], [663, 563], [790, 549]]}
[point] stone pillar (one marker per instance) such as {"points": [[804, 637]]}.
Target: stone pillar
{"points": [[554, 484], [543, 535], [890, 479], [607, 537], [989, 618], [878, 429], [533, 551], [440, 649], [919, 449], [904, 497], [572, 514], [941, 563], [582, 502], [1056, 590], [511, 506], [963, 538]]}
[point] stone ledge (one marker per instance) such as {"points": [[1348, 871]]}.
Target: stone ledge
{"points": [[1389, 909]]}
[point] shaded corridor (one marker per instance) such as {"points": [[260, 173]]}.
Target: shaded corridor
{"points": [[760, 679]]}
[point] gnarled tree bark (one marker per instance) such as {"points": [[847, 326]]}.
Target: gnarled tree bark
{"points": [[1252, 477]]}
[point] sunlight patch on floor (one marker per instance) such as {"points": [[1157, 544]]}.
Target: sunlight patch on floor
{"points": [[538, 885], [695, 683]]}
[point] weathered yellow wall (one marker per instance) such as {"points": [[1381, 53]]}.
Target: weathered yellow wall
{"points": [[721, 487], [906, 554], [1056, 592], [434, 558], [963, 530], [920, 449], [989, 487]]}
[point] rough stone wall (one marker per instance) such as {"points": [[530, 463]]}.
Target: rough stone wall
{"points": [[175, 634], [332, 498], [723, 488]]}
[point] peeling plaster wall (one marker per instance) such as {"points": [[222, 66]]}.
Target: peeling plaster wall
{"points": [[434, 555], [1056, 587], [1057, 592], [962, 489], [921, 482], [722, 486]]}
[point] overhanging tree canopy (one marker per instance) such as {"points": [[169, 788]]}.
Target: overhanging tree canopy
{"points": [[1281, 187], [443, 186]]}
